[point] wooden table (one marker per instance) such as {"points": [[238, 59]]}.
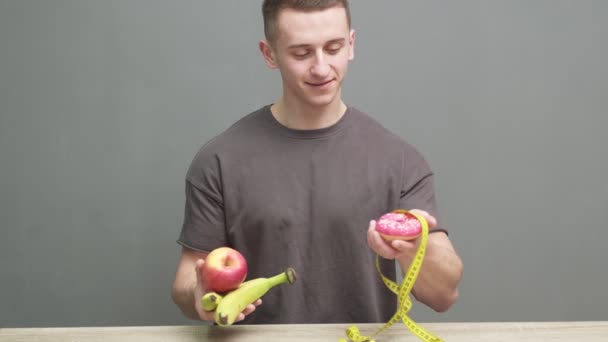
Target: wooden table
{"points": [[449, 332]]}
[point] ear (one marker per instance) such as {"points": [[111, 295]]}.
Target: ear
{"points": [[268, 54], [351, 42]]}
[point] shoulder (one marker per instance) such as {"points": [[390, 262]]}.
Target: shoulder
{"points": [[389, 139], [239, 134], [247, 126], [245, 129]]}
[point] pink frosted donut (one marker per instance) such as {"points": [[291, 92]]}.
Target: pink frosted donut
{"points": [[398, 225]]}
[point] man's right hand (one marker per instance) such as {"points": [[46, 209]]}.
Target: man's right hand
{"points": [[200, 290]]}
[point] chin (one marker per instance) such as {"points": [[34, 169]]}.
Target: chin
{"points": [[322, 100]]}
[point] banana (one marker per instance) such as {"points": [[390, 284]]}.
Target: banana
{"points": [[210, 300], [229, 308]]}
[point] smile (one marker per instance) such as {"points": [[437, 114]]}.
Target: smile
{"points": [[320, 84]]}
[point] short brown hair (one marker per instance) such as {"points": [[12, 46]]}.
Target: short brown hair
{"points": [[271, 9]]}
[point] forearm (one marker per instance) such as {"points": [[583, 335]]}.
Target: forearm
{"points": [[185, 286], [183, 296], [440, 274]]}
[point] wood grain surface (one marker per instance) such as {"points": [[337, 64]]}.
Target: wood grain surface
{"points": [[450, 332]]}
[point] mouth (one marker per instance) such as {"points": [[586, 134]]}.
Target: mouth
{"points": [[320, 84]]}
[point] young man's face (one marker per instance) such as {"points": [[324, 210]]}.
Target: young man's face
{"points": [[312, 52]]}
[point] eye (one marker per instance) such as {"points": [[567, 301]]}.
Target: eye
{"points": [[301, 54], [334, 49]]}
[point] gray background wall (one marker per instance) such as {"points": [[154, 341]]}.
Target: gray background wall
{"points": [[104, 103]]}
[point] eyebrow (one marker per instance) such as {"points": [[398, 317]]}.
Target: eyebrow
{"points": [[333, 41]]}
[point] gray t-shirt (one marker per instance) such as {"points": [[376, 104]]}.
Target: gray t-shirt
{"points": [[304, 199]]}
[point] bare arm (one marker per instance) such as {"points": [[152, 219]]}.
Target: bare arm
{"points": [[440, 274], [186, 287], [441, 271]]}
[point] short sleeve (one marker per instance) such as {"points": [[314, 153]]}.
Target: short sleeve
{"points": [[203, 226], [418, 190]]}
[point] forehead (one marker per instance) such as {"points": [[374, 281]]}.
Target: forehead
{"points": [[311, 27]]}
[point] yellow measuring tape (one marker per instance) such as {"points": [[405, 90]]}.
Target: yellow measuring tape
{"points": [[403, 293]]}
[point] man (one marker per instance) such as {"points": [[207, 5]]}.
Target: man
{"points": [[299, 183]]}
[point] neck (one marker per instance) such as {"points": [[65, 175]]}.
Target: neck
{"points": [[296, 116]]}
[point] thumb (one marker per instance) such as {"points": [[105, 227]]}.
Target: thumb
{"points": [[199, 289], [199, 264], [432, 221], [198, 268]]}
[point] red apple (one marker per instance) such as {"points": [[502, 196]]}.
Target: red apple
{"points": [[224, 270]]}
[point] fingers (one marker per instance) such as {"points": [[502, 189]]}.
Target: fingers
{"points": [[428, 217], [198, 266], [387, 250], [403, 246], [200, 290], [248, 310], [207, 315], [377, 243], [200, 285], [210, 315]]}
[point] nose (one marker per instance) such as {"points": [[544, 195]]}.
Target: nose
{"points": [[320, 68]]}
